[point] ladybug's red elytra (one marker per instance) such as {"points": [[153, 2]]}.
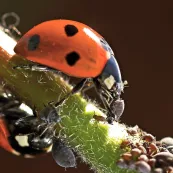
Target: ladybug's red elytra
{"points": [[77, 50]]}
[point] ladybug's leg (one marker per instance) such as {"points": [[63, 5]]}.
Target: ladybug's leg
{"points": [[101, 92], [87, 87], [9, 108], [35, 67], [110, 115], [8, 103]]}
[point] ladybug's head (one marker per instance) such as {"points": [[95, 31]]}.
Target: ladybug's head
{"points": [[111, 76]]}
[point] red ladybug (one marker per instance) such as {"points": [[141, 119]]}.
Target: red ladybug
{"points": [[4, 134], [77, 50], [10, 135]]}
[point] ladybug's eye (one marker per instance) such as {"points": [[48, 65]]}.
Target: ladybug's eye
{"points": [[33, 42], [72, 58], [70, 30]]}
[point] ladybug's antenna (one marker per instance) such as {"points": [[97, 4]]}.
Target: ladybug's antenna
{"points": [[13, 15], [11, 28]]}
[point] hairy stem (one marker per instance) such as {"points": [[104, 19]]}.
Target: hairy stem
{"points": [[97, 143]]}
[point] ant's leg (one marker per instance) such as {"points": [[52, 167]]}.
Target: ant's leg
{"points": [[110, 115], [88, 87], [76, 89]]}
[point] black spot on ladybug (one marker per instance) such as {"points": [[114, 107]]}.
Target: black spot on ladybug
{"points": [[72, 58], [33, 42], [70, 30]]}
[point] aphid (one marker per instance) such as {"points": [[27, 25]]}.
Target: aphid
{"points": [[169, 169], [143, 157], [133, 130], [131, 165], [165, 157], [127, 156], [152, 162], [62, 154], [142, 148], [122, 163], [158, 170], [148, 138], [143, 167], [117, 107], [125, 143], [99, 118], [167, 141], [135, 152], [170, 149], [153, 149]]}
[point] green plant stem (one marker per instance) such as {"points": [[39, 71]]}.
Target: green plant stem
{"points": [[98, 144]]}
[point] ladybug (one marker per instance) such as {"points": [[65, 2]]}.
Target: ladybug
{"points": [[42, 129], [10, 135], [76, 50], [30, 135]]}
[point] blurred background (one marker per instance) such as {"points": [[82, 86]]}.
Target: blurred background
{"points": [[141, 34]]}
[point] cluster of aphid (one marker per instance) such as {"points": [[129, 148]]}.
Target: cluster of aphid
{"points": [[147, 155]]}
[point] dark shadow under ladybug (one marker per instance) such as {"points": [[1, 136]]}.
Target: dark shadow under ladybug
{"points": [[108, 96]]}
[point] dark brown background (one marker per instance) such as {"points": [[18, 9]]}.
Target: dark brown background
{"points": [[141, 33]]}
